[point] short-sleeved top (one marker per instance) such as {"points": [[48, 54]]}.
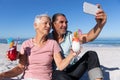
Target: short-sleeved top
{"points": [[66, 44], [39, 59]]}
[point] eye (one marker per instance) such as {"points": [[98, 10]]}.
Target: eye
{"points": [[61, 21], [44, 23], [64, 22]]}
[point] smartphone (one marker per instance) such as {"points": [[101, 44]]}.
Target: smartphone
{"points": [[90, 8]]}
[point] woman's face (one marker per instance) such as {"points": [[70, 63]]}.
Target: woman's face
{"points": [[43, 26]]}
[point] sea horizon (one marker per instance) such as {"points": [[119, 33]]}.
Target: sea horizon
{"points": [[108, 42], [99, 42]]}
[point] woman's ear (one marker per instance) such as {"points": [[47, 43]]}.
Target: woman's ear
{"points": [[35, 25]]}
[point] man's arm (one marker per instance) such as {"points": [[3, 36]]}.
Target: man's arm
{"points": [[101, 19]]}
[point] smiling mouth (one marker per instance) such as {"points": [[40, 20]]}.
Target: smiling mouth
{"points": [[47, 29], [63, 29]]}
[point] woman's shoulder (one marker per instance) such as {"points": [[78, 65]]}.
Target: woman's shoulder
{"points": [[51, 40], [27, 42]]}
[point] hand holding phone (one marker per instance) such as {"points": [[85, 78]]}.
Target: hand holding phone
{"points": [[90, 8]]}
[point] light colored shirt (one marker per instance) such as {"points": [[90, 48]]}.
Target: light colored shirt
{"points": [[66, 44], [39, 59]]}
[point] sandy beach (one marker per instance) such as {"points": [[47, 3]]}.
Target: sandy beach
{"points": [[108, 56], [109, 60]]}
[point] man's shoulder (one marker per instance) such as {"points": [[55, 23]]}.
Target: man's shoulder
{"points": [[68, 32], [50, 35]]}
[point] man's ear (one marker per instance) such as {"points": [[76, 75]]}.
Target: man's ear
{"points": [[53, 25]]}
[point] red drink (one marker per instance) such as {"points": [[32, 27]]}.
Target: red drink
{"points": [[12, 53]]}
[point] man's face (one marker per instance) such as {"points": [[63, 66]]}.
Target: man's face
{"points": [[60, 25]]}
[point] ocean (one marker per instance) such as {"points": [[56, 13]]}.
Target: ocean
{"points": [[19, 41], [110, 42]]}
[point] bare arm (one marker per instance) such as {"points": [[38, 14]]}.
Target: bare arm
{"points": [[17, 70], [94, 32], [63, 63]]}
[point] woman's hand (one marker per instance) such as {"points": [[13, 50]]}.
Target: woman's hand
{"points": [[1, 76], [76, 53], [8, 56]]}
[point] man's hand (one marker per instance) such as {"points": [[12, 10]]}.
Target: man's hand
{"points": [[101, 17]]}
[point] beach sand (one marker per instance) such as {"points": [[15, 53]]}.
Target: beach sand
{"points": [[109, 59]]}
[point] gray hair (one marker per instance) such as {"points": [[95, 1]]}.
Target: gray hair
{"points": [[38, 17]]}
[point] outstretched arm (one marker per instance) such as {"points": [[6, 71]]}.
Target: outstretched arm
{"points": [[101, 19], [63, 63], [17, 70]]}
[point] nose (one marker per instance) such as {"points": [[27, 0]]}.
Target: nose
{"points": [[65, 24], [48, 25]]}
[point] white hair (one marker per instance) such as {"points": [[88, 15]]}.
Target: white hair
{"points": [[38, 17]]}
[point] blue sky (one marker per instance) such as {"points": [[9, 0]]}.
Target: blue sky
{"points": [[17, 16]]}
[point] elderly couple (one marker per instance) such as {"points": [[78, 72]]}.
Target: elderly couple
{"points": [[48, 56]]}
